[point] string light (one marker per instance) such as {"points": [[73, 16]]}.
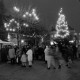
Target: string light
{"points": [[72, 41], [22, 41], [24, 24], [7, 25], [34, 14], [16, 9], [53, 42], [61, 26], [31, 14], [40, 36], [14, 30]]}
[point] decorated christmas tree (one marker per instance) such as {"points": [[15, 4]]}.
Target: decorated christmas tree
{"points": [[61, 26]]}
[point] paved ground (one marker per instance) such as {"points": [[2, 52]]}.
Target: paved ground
{"points": [[39, 72]]}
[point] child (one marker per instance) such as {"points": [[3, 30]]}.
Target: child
{"points": [[23, 60]]}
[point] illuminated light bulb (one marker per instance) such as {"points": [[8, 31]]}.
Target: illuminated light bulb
{"points": [[27, 13], [30, 15], [14, 30], [52, 43], [72, 41], [5, 25], [22, 41], [36, 18], [24, 16], [34, 14], [60, 11], [11, 29], [7, 29], [16, 22], [33, 10], [16, 9], [25, 25], [11, 20]]}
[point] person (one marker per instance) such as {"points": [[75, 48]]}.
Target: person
{"points": [[12, 55], [30, 56], [23, 59], [40, 53], [46, 53], [50, 58], [4, 53], [58, 56], [18, 55], [68, 55], [74, 51], [78, 53]]}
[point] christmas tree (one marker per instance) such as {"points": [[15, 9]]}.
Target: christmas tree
{"points": [[61, 26]]}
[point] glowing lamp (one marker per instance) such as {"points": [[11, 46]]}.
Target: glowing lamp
{"points": [[52, 43], [22, 41]]}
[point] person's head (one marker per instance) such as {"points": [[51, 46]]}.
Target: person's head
{"points": [[23, 52], [29, 47], [46, 46]]}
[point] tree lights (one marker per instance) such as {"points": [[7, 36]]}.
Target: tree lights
{"points": [[52, 42], [16, 9], [61, 26], [31, 14], [8, 25], [13, 29], [25, 24]]}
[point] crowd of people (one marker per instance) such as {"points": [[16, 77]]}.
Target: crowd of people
{"points": [[21, 55], [50, 54]]}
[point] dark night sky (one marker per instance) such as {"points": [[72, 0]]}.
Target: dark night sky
{"points": [[48, 10]]}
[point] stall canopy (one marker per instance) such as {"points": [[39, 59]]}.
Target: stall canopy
{"points": [[6, 43]]}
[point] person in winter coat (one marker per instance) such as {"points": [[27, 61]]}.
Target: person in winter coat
{"points": [[18, 55], [12, 55], [59, 57], [78, 52], [30, 56], [50, 58], [23, 60], [46, 53], [40, 53], [68, 55]]}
